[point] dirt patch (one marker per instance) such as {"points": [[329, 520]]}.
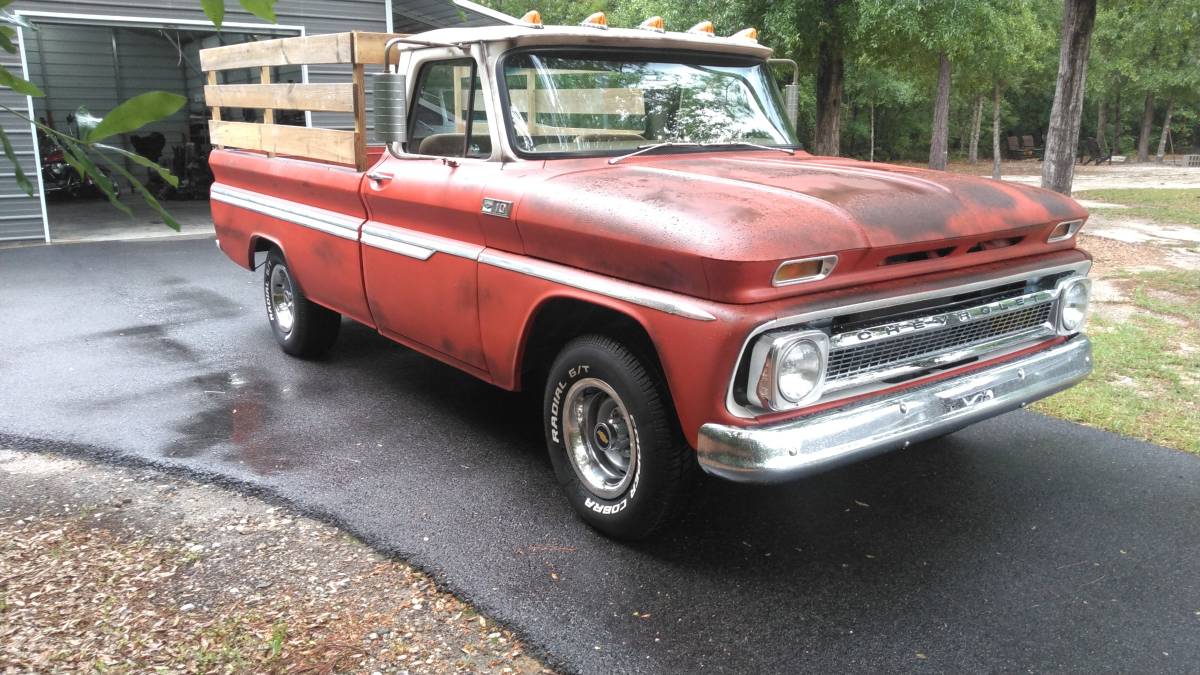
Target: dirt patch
{"points": [[129, 570], [1110, 255]]}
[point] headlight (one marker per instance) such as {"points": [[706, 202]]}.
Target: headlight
{"points": [[787, 369], [800, 370], [1073, 304]]}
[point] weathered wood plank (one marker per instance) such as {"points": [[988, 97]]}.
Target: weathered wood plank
{"points": [[315, 97], [216, 107], [368, 47], [314, 49], [360, 117], [331, 145]]}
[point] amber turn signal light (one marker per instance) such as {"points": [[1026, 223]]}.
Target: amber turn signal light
{"points": [[654, 23], [597, 20], [750, 34], [1064, 231], [532, 17], [703, 28], [803, 270]]}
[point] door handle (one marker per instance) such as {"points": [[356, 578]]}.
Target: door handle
{"points": [[379, 177]]}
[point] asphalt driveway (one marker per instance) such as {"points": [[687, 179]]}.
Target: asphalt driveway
{"points": [[1024, 543]]}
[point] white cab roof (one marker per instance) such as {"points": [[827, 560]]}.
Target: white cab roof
{"points": [[584, 36]]}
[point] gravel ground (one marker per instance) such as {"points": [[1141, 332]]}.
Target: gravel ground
{"points": [[129, 570]]}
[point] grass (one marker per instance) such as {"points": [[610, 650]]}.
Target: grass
{"points": [[1146, 382], [1174, 207]]}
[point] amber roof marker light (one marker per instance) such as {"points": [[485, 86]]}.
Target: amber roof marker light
{"points": [[597, 20], [532, 18], [654, 23], [750, 34], [703, 28]]}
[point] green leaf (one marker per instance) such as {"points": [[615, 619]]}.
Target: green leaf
{"points": [[76, 156], [214, 10], [6, 36], [138, 159], [19, 85], [146, 196], [22, 180], [263, 9], [136, 113]]}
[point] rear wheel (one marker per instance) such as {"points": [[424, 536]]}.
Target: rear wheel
{"points": [[302, 327], [616, 449]]}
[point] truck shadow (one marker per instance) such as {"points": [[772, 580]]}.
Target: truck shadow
{"points": [[887, 507]]}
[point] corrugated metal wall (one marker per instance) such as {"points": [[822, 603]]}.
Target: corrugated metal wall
{"points": [[20, 215]]}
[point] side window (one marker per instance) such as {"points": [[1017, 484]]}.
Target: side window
{"points": [[449, 118]]}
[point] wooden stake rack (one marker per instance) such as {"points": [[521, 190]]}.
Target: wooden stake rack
{"points": [[331, 145]]}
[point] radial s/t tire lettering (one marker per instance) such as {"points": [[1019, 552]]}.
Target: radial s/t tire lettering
{"points": [[616, 448], [301, 327]]}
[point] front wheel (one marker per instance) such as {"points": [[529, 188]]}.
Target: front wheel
{"points": [[616, 449], [301, 327]]}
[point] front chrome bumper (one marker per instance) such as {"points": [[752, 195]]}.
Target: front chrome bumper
{"points": [[785, 450]]}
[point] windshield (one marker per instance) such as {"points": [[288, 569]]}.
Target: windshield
{"points": [[589, 103]]}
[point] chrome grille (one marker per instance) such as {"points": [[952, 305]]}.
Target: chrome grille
{"points": [[852, 361]]}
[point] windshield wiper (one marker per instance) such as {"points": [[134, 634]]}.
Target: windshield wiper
{"points": [[748, 144], [655, 146]]}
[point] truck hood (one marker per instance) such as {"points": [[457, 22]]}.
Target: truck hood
{"points": [[716, 225]]}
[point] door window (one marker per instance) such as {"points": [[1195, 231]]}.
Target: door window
{"points": [[441, 123]]}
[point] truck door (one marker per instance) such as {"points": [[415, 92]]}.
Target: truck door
{"points": [[423, 234]]}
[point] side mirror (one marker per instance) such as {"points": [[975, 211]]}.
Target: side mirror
{"points": [[791, 103], [391, 108]]}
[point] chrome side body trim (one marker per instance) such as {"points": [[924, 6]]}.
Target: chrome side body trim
{"points": [[422, 246], [399, 247], [329, 222], [589, 281], [419, 240], [783, 451]]}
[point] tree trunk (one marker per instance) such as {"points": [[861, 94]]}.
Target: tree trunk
{"points": [[1143, 150], [976, 123], [964, 128], [996, 133], [941, 116], [1166, 131], [1101, 121], [872, 131], [1116, 144], [830, 71], [1058, 169]]}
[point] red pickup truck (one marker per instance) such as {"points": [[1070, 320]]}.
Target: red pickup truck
{"points": [[622, 219]]}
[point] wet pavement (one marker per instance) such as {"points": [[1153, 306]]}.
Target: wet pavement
{"points": [[1024, 543]]}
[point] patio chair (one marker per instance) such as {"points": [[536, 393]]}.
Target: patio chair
{"points": [[1028, 147], [1014, 148]]}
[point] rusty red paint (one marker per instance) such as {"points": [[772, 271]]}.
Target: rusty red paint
{"points": [[710, 226]]}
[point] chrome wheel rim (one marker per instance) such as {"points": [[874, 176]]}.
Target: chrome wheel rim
{"points": [[600, 438], [283, 303]]}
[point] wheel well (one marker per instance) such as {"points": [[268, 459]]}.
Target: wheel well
{"points": [[261, 245], [561, 320]]}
